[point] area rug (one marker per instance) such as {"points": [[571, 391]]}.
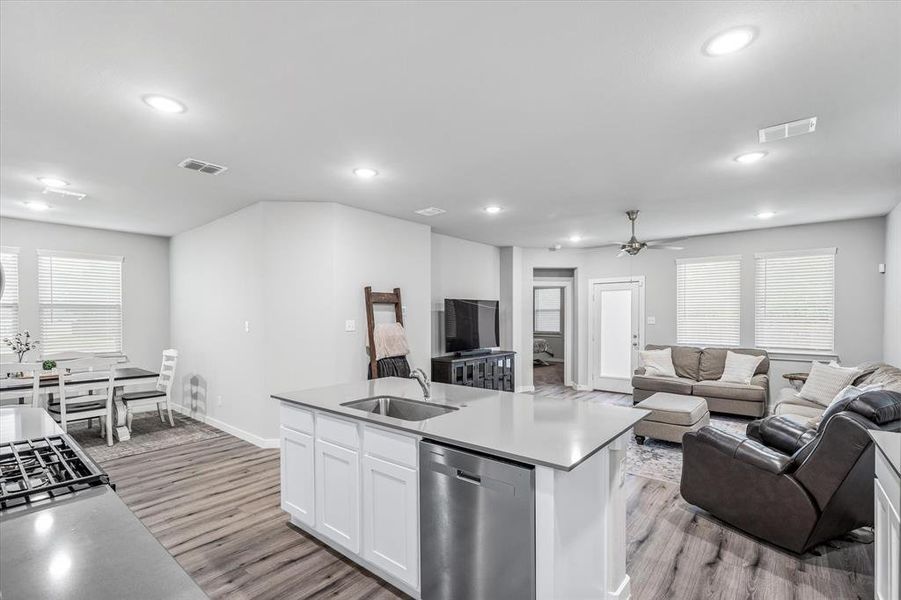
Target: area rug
{"points": [[148, 433], [662, 460]]}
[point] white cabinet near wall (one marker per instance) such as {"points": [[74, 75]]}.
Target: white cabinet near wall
{"points": [[887, 526], [297, 470], [297, 464], [338, 481], [391, 503]]}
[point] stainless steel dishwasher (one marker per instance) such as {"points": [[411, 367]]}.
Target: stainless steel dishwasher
{"points": [[477, 526]]}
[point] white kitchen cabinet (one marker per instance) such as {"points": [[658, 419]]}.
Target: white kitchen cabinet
{"points": [[391, 518], [338, 494], [887, 530], [297, 468]]}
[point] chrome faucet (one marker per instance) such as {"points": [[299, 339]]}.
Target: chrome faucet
{"points": [[423, 379]]}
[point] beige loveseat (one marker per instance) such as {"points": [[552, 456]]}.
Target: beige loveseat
{"points": [[697, 372], [789, 402]]}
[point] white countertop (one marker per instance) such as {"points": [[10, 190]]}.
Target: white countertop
{"points": [[553, 432], [26, 422]]}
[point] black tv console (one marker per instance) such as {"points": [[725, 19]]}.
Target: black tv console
{"points": [[491, 371]]}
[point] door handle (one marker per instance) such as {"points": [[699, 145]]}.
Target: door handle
{"points": [[468, 477]]}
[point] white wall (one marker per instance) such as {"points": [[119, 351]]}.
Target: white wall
{"points": [[145, 279], [460, 269], [296, 273], [859, 294], [892, 338]]}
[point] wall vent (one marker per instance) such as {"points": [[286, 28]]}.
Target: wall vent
{"points": [[62, 192], [199, 165], [787, 130], [430, 211]]}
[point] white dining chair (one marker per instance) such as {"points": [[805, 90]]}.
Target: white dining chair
{"points": [[7, 369], [81, 400], [160, 395]]}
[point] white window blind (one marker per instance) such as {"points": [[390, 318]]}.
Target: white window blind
{"points": [[708, 301], [795, 300], [80, 301], [9, 302], [547, 310]]}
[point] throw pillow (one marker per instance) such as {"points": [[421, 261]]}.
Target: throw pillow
{"points": [[658, 363], [825, 382], [740, 367]]}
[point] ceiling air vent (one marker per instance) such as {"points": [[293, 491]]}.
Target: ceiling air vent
{"points": [[62, 192], [787, 130], [430, 211], [204, 167]]}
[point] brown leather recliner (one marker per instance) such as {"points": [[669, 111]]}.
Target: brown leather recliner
{"points": [[787, 484]]}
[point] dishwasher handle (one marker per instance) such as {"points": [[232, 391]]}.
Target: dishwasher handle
{"points": [[468, 477]]}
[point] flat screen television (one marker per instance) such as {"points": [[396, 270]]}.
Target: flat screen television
{"points": [[471, 325]]}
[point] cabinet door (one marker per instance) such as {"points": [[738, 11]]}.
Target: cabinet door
{"points": [[391, 518], [887, 580], [338, 494], [297, 475]]}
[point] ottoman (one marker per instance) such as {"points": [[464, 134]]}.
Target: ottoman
{"points": [[672, 416]]}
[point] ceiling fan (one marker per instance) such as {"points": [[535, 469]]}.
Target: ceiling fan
{"points": [[634, 246]]}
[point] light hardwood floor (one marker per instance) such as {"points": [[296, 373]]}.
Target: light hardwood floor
{"points": [[214, 504]]}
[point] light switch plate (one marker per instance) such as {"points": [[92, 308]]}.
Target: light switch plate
{"points": [[652, 320], [350, 325]]}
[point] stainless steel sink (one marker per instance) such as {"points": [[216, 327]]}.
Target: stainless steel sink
{"points": [[400, 408]]}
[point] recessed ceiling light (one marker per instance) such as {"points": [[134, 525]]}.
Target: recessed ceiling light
{"points": [[558, 246], [163, 104], [430, 211], [53, 182], [493, 210], [36, 206], [766, 214], [365, 173], [750, 157], [730, 41], [575, 239]]}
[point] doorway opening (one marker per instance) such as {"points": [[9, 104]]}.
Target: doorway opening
{"points": [[552, 317], [616, 322]]}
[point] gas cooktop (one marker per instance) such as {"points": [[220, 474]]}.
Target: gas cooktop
{"points": [[47, 467]]}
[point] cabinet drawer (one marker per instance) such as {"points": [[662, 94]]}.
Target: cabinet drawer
{"points": [[296, 418], [337, 431], [389, 446]]}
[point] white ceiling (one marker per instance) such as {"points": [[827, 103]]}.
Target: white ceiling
{"points": [[565, 114]]}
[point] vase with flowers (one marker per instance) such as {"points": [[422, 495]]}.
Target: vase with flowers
{"points": [[21, 344]]}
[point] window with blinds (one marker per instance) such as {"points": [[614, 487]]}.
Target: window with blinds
{"points": [[794, 300], [80, 301], [548, 314], [708, 301], [9, 302]]}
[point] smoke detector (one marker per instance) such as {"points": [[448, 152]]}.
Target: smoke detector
{"points": [[199, 165], [787, 130], [430, 211]]}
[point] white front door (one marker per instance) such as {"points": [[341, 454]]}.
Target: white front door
{"points": [[615, 334]]}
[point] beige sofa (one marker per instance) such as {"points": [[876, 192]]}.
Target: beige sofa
{"points": [[790, 403], [697, 372]]}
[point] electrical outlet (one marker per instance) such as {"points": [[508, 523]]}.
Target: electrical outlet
{"points": [[246, 326], [218, 400], [350, 325], [652, 320]]}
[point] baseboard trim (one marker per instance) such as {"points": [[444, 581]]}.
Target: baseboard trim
{"points": [[582, 388], [623, 592], [525, 389], [254, 439]]}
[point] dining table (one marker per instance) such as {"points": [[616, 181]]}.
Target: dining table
{"points": [[21, 387]]}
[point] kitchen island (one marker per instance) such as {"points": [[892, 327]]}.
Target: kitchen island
{"points": [[82, 543], [365, 483]]}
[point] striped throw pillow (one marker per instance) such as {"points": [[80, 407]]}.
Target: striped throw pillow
{"points": [[825, 381], [740, 368]]}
